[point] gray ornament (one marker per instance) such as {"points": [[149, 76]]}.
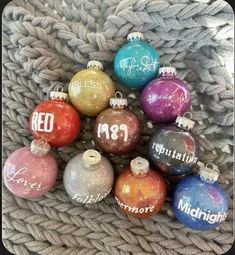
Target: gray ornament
{"points": [[88, 177]]}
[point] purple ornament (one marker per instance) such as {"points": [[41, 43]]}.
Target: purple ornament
{"points": [[165, 98]]}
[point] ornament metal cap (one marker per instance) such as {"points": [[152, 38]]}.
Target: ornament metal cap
{"points": [[209, 174], [95, 64], [139, 165], [167, 70], [91, 157], [118, 101], [40, 147], [185, 123], [135, 35], [59, 94]]}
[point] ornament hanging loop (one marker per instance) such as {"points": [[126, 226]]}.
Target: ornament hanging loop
{"points": [[212, 167], [118, 94], [188, 114], [58, 94], [118, 102], [167, 64], [60, 89], [209, 173], [184, 122]]}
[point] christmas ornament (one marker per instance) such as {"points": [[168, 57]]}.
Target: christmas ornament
{"points": [[91, 89], [174, 149], [55, 120], [140, 191], [137, 62], [88, 177], [117, 130], [30, 172], [199, 201], [165, 98]]}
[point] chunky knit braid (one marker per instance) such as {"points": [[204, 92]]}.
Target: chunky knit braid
{"points": [[44, 43]]}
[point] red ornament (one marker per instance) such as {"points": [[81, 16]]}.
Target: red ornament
{"points": [[140, 191], [55, 120], [117, 130]]}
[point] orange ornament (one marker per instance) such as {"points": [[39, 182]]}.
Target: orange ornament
{"points": [[139, 190]]}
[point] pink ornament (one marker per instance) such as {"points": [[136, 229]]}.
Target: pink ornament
{"points": [[30, 172]]}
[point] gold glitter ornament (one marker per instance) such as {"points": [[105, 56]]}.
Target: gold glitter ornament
{"points": [[90, 89]]}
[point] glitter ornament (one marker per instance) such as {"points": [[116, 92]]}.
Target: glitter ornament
{"points": [[30, 172], [55, 120], [88, 177], [173, 148], [137, 62], [166, 97], [90, 89], [117, 130], [199, 202], [139, 190]]}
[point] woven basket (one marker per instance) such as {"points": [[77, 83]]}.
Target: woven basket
{"points": [[45, 42]]}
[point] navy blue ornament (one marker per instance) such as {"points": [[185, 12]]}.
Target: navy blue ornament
{"points": [[199, 202], [173, 148], [136, 62]]}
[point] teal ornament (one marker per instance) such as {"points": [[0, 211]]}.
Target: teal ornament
{"points": [[136, 62]]}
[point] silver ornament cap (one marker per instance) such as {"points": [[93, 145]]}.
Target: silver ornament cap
{"points": [[139, 165], [135, 35], [184, 122], [95, 64], [40, 147], [118, 101], [91, 157], [58, 94], [209, 174], [167, 70]]}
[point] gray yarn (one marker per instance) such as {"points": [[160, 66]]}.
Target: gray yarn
{"points": [[44, 44]]}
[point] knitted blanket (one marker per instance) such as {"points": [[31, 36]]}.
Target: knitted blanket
{"points": [[45, 42]]}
